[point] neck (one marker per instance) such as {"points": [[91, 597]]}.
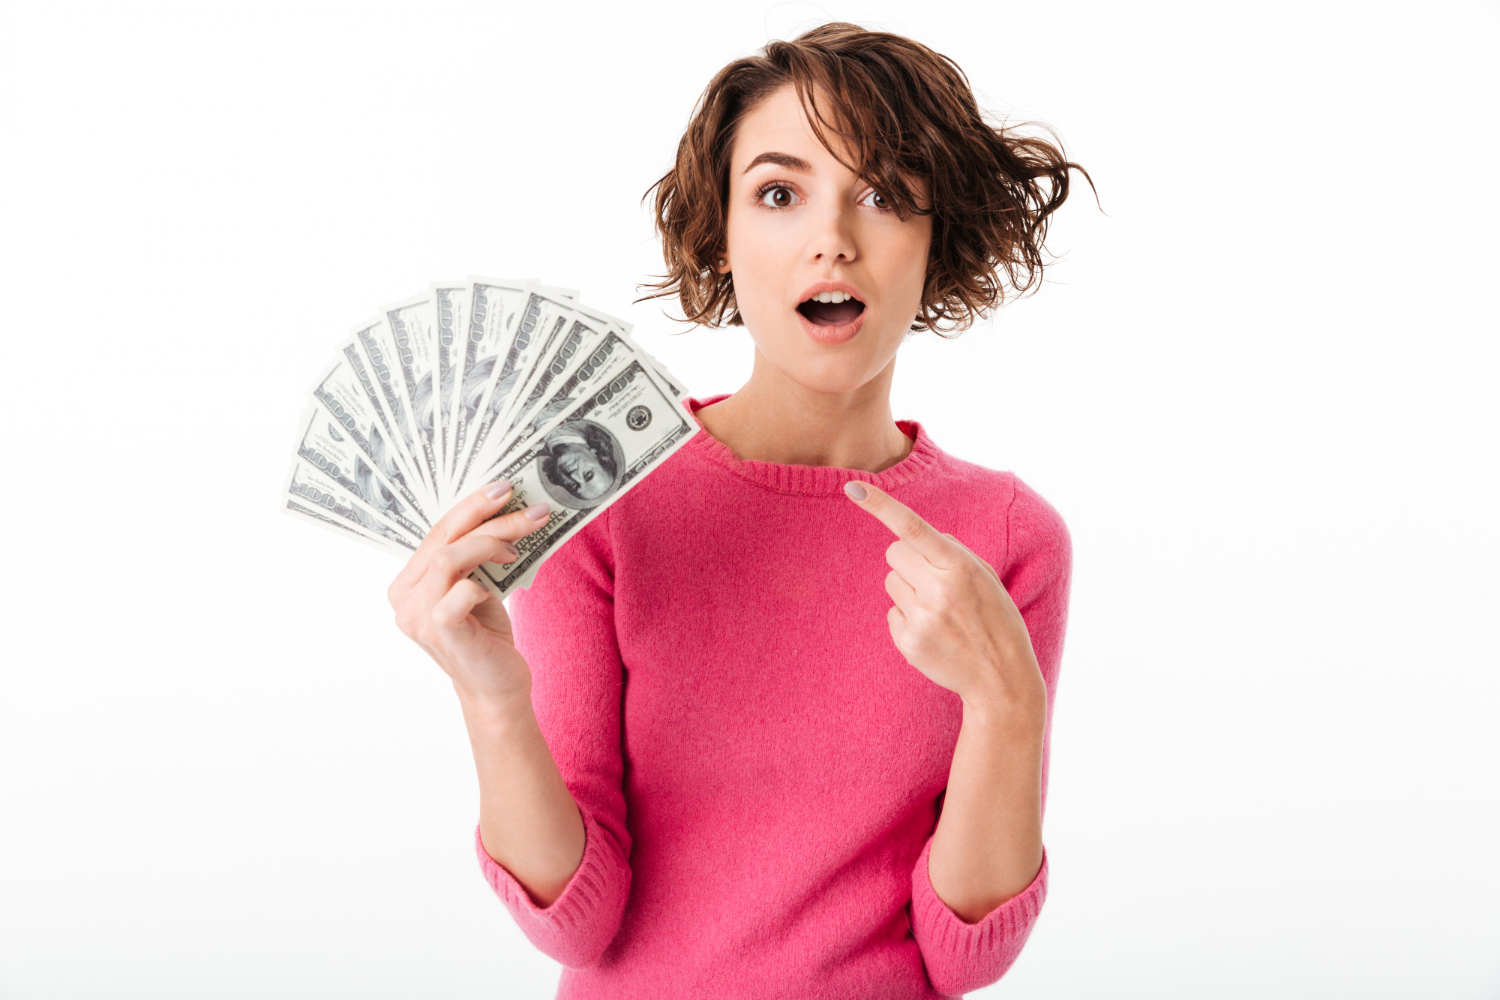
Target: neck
{"points": [[774, 419]]}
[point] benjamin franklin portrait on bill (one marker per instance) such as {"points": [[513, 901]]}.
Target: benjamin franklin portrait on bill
{"points": [[580, 463]]}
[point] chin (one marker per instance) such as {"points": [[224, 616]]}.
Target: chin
{"points": [[826, 374]]}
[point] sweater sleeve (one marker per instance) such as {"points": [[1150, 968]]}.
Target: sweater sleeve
{"points": [[564, 627], [1037, 573]]}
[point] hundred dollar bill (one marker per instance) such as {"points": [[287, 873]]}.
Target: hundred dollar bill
{"points": [[335, 455], [563, 355], [346, 390], [493, 306], [658, 370], [374, 343], [485, 402], [450, 306], [502, 440], [584, 461], [542, 318], [603, 318], [589, 369], [309, 486], [575, 327], [625, 329], [592, 367], [305, 512], [409, 326]]}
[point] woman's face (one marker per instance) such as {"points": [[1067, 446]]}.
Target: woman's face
{"points": [[799, 223]]}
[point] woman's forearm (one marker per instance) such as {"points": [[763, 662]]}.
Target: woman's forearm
{"points": [[528, 820], [988, 844]]}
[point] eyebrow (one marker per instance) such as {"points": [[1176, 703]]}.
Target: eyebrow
{"points": [[781, 159]]}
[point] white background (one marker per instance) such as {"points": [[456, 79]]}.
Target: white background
{"points": [[1260, 386]]}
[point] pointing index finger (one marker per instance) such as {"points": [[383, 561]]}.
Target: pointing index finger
{"points": [[907, 524]]}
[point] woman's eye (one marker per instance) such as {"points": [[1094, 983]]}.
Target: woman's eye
{"points": [[780, 197], [880, 201]]}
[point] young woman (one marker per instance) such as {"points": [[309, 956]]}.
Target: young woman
{"points": [[776, 724]]}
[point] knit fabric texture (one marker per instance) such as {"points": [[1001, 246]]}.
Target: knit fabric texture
{"points": [[758, 768]]}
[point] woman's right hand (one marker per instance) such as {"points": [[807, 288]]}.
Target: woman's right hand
{"points": [[456, 620]]}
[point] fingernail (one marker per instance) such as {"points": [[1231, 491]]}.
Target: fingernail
{"points": [[856, 490], [498, 490], [537, 511], [512, 550]]}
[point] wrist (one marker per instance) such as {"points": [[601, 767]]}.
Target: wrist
{"points": [[991, 709], [495, 710]]}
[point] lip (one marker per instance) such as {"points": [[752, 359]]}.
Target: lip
{"points": [[832, 334], [831, 286]]}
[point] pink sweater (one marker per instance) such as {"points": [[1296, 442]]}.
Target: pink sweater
{"points": [[758, 768]]}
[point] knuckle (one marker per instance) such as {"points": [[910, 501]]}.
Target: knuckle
{"points": [[903, 551], [518, 523]]}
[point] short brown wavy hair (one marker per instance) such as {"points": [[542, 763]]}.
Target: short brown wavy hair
{"points": [[905, 112]]}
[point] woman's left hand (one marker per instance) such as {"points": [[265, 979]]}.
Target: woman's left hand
{"points": [[953, 619]]}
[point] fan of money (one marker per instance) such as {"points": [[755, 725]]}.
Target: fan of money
{"points": [[472, 382]]}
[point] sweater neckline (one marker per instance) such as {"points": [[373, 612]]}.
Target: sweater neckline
{"points": [[812, 479]]}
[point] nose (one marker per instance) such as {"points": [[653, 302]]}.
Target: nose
{"points": [[833, 237]]}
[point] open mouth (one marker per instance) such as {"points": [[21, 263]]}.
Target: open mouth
{"points": [[831, 308]]}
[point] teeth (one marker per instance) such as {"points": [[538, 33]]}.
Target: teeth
{"points": [[832, 298]]}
